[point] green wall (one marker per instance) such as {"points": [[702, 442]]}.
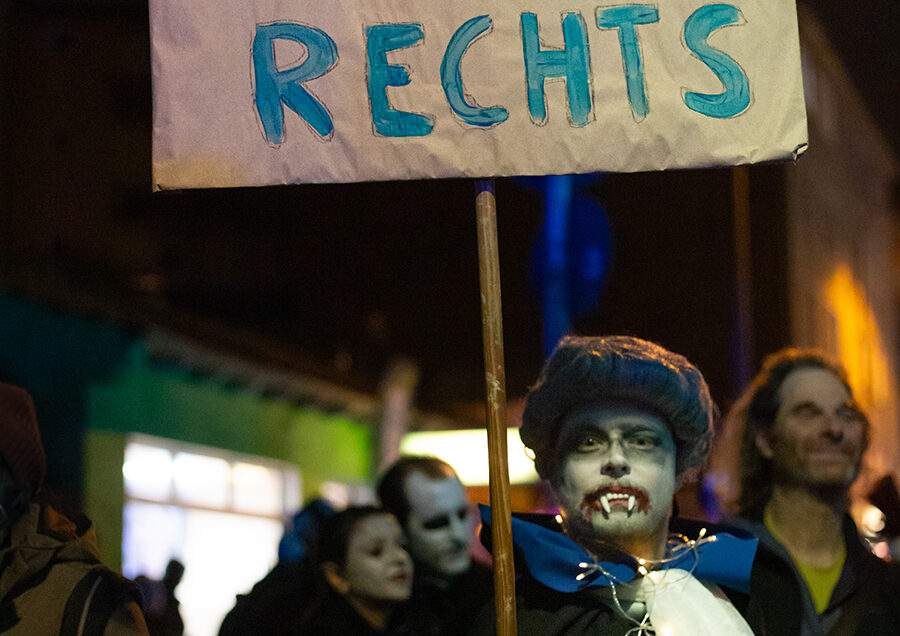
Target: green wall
{"points": [[104, 495], [169, 401], [94, 383]]}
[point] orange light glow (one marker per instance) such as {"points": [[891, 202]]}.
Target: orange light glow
{"points": [[859, 341]]}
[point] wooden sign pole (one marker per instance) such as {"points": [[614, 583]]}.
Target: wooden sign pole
{"points": [[495, 384]]}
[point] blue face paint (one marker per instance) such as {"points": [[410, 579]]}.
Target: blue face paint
{"points": [[625, 18], [272, 87], [736, 97], [451, 78], [572, 62], [381, 38]]}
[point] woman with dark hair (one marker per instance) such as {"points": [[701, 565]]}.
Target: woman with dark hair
{"points": [[364, 575]]}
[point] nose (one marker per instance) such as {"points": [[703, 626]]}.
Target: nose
{"points": [[401, 556], [615, 464], [398, 555], [459, 527], [834, 428]]}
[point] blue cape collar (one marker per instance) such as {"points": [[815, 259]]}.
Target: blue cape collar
{"points": [[724, 556]]}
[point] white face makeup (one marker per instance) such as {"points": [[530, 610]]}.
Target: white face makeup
{"points": [[378, 566], [818, 437], [616, 478], [439, 525]]}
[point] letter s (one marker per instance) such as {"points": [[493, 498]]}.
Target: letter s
{"points": [[736, 97]]}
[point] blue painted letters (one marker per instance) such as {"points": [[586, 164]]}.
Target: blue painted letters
{"points": [[573, 63], [451, 78], [625, 18], [274, 87], [381, 38], [736, 97]]}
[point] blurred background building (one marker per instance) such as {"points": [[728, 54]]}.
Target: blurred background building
{"points": [[205, 361]]}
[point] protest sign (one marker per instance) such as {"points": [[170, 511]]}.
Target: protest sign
{"points": [[264, 92]]}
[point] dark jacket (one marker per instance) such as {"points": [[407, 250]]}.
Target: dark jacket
{"points": [[541, 611], [335, 617], [452, 609], [866, 599], [274, 605]]}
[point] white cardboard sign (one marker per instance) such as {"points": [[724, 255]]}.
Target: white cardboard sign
{"points": [[264, 92]]}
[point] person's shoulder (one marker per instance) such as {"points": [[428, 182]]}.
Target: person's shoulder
{"points": [[333, 617], [272, 602], [126, 620], [104, 602]]}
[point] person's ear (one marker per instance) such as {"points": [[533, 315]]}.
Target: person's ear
{"points": [[333, 577], [763, 445]]}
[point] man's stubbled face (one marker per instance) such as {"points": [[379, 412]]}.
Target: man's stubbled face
{"points": [[616, 478], [819, 434]]}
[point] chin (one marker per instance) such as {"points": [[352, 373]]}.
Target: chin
{"points": [[397, 596], [620, 528], [834, 477], [457, 567]]}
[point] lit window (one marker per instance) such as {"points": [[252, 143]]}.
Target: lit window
{"points": [[466, 451], [148, 472], [195, 504], [256, 489], [201, 480]]}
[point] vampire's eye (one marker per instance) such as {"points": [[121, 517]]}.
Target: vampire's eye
{"points": [[643, 441], [590, 443]]}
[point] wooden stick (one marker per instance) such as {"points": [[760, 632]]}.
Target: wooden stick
{"points": [[495, 384]]}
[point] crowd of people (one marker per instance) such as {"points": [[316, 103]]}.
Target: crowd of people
{"points": [[617, 425]]}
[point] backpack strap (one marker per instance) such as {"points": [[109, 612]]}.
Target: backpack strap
{"points": [[90, 605]]}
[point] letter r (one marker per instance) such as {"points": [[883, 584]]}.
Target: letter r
{"points": [[272, 87]]}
